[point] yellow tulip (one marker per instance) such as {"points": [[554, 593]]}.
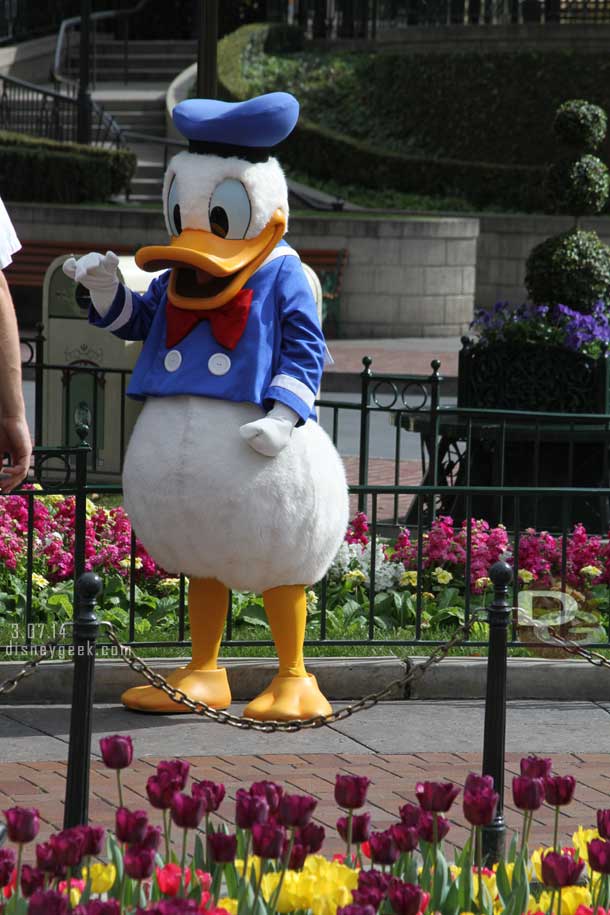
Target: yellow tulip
{"points": [[571, 898], [102, 877], [581, 839], [230, 905]]}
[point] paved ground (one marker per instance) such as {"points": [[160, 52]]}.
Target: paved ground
{"points": [[406, 355], [396, 744]]}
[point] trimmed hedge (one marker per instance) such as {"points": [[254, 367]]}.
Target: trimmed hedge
{"points": [[326, 153], [47, 171]]}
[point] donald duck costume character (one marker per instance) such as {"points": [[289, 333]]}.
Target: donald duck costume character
{"points": [[228, 477]]}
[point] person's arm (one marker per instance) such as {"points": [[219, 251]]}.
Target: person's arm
{"points": [[14, 433]]}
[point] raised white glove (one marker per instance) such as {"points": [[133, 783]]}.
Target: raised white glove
{"points": [[99, 274], [271, 434]]}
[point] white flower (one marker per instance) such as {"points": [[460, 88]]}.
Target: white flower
{"points": [[39, 580], [168, 584], [443, 576], [526, 576]]}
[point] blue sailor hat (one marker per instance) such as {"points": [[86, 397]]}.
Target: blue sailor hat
{"points": [[244, 129]]}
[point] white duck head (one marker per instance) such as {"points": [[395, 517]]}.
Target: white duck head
{"points": [[225, 200]]}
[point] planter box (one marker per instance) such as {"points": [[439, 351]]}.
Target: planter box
{"points": [[532, 377]]}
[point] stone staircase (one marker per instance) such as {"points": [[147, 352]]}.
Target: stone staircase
{"points": [[136, 61]]}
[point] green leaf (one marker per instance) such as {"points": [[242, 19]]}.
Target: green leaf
{"points": [[451, 904], [440, 883], [114, 853], [502, 881], [232, 880], [199, 855], [512, 850]]}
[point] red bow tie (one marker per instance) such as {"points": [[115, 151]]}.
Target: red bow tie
{"points": [[227, 322]]}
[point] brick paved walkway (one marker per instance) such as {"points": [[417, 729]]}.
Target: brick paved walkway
{"points": [[41, 784], [381, 473]]}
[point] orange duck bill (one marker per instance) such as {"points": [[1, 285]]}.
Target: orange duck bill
{"points": [[207, 270]]}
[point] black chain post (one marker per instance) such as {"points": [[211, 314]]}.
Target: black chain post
{"points": [[499, 612], [88, 588], [363, 462]]}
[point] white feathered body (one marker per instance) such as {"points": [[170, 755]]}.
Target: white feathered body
{"points": [[204, 503]]}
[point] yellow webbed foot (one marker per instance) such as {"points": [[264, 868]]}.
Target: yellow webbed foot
{"points": [[289, 699], [209, 686]]}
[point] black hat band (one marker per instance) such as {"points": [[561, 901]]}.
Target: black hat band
{"points": [[227, 150]]}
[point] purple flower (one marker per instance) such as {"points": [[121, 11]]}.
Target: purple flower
{"points": [[152, 838], [536, 766], [528, 792], [476, 782], [45, 858], [559, 789], [426, 827], [139, 862], [436, 797], [361, 828], [68, 845], [350, 791], [372, 888], [405, 898], [187, 811], [311, 837], [603, 823], [480, 806], [48, 903], [599, 855], [297, 855], [130, 825], [160, 790], [176, 769], [406, 837], [117, 751], [355, 909], [270, 791], [250, 809], [93, 839], [222, 847], [211, 793], [22, 824], [7, 865], [32, 879], [98, 907], [296, 809], [560, 870], [384, 849], [268, 840], [410, 814], [173, 907]]}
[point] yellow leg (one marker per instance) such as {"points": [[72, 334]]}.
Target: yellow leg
{"points": [[201, 679], [293, 694]]}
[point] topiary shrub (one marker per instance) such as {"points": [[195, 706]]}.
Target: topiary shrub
{"points": [[573, 268]]}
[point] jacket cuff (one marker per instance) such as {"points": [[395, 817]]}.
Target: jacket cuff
{"points": [[119, 314], [292, 392]]}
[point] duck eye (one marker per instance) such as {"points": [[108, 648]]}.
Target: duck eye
{"points": [[174, 220], [230, 209]]}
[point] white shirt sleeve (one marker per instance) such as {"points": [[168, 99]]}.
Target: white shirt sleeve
{"points": [[9, 243]]}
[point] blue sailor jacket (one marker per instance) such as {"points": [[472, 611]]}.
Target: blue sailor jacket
{"points": [[279, 357]]}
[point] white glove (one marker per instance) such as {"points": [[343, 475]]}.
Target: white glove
{"points": [[271, 434], [98, 273]]}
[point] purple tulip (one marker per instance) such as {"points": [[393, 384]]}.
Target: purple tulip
{"points": [[160, 790], [361, 828], [384, 849], [599, 855], [68, 845], [559, 789], [117, 751], [561, 870], [139, 862], [7, 865], [536, 766], [528, 792], [187, 811], [476, 782], [176, 769], [311, 837], [297, 855], [152, 838], [350, 791], [173, 907], [268, 840], [410, 814], [355, 909], [405, 898], [250, 809], [436, 797], [372, 888], [603, 823], [222, 847], [426, 828], [480, 806], [32, 879], [94, 839], [22, 824], [211, 793], [45, 858], [296, 810], [99, 907], [48, 903], [130, 825], [270, 791], [406, 837]]}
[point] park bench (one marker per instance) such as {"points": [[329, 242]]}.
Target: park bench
{"points": [[30, 265]]}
